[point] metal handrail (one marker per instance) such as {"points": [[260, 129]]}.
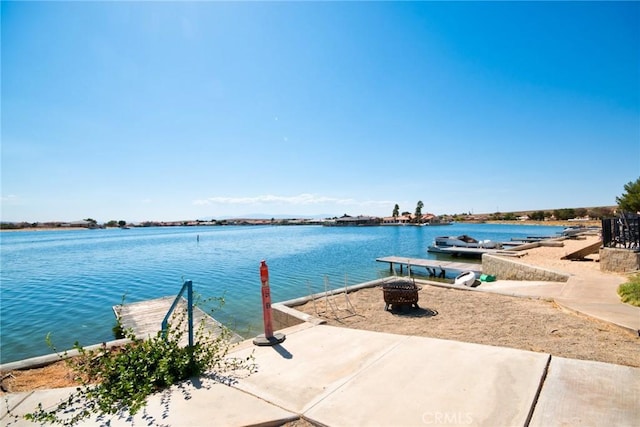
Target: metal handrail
{"points": [[188, 285]]}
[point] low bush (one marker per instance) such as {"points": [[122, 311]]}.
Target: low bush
{"points": [[119, 380], [630, 291]]}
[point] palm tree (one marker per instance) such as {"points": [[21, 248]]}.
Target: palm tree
{"points": [[418, 214]]}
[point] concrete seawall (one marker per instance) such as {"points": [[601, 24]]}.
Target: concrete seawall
{"points": [[47, 359], [509, 269]]}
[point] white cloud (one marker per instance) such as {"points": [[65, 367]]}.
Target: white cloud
{"points": [[10, 199]]}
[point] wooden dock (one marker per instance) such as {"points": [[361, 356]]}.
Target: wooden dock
{"points": [[434, 267], [145, 318]]}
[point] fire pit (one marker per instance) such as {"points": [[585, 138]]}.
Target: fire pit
{"points": [[400, 293]]}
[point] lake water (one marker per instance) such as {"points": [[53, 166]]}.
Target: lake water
{"points": [[66, 282]]}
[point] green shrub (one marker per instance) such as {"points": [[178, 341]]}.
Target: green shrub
{"points": [[630, 291], [119, 380]]}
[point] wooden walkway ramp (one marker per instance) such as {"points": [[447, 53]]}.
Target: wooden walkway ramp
{"points": [[587, 250], [434, 267], [145, 318]]}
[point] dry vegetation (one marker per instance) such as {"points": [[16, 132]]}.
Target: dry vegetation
{"points": [[55, 375]]}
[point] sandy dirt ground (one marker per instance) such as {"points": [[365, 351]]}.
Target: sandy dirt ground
{"points": [[484, 318], [477, 317], [492, 319]]}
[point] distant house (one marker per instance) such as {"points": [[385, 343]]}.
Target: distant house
{"points": [[408, 219], [359, 220], [578, 219], [80, 224], [399, 220], [428, 218]]}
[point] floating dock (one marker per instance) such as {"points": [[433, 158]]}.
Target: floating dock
{"points": [[145, 318], [434, 267], [477, 252], [531, 239]]}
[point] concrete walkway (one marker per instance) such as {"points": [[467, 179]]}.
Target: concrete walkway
{"points": [[345, 377], [593, 294]]}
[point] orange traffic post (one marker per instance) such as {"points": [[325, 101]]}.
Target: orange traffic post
{"points": [[268, 338]]}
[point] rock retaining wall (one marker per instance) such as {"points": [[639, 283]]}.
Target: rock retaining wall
{"points": [[619, 260], [508, 269]]}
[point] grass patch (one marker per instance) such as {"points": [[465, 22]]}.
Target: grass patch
{"points": [[630, 291]]}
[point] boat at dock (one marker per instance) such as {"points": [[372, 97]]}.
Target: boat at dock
{"points": [[577, 230], [442, 244]]}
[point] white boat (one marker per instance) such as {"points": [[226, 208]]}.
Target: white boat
{"points": [[579, 229], [466, 278], [462, 241]]}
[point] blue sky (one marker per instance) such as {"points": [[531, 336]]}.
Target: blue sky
{"points": [[179, 110]]}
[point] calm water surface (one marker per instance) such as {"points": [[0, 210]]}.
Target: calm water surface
{"points": [[66, 282]]}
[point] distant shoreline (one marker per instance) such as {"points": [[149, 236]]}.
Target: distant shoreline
{"points": [[589, 223], [50, 228]]}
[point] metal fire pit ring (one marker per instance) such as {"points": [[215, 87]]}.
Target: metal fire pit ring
{"points": [[400, 292]]}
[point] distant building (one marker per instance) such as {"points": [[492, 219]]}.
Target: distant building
{"points": [[360, 220], [427, 218], [80, 224], [399, 220]]}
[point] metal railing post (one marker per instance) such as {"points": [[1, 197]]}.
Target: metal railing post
{"points": [[190, 310], [188, 285]]}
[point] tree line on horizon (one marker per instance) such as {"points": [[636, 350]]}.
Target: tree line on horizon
{"points": [[628, 201]]}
